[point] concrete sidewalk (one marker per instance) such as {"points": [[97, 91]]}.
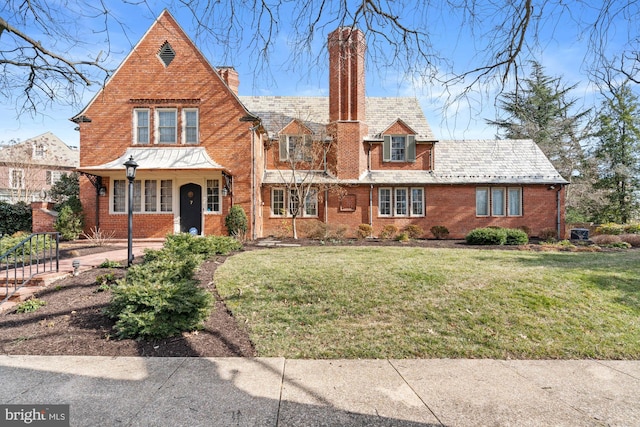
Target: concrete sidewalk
{"points": [[137, 391]]}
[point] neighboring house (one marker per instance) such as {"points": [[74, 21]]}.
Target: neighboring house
{"points": [[201, 149], [28, 169]]}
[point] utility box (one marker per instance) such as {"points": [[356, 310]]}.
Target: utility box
{"points": [[579, 234]]}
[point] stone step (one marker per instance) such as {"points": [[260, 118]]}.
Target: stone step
{"points": [[21, 294]]}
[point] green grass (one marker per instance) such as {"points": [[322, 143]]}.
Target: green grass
{"points": [[388, 302]]}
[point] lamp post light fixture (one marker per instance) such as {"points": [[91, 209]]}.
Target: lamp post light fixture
{"points": [[130, 166]]}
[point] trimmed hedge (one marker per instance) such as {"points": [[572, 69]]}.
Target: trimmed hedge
{"points": [[497, 236], [14, 218]]}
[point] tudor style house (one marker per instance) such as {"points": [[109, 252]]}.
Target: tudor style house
{"points": [[29, 168], [340, 161]]}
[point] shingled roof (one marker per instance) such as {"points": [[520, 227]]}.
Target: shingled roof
{"points": [[278, 111]]}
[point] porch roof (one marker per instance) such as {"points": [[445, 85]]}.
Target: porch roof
{"points": [[174, 158]]}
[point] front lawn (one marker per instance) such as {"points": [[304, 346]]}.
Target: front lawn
{"points": [[395, 302]]}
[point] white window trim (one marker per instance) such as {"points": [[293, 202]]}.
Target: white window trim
{"points": [[506, 200], [157, 125], [135, 126], [184, 126], [141, 197], [283, 212], [11, 183], [391, 205], [409, 199], [206, 203], [411, 212], [406, 201], [287, 207]]}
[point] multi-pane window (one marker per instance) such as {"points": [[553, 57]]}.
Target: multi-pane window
{"points": [[52, 177], [145, 196], [167, 125], [309, 207], [399, 148], [119, 195], [141, 125], [277, 202], [150, 195], [384, 202], [311, 203], [137, 193], [417, 201], [166, 128], [213, 195], [190, 125], [401, 201], [498, 201], [297, 148], [16, 178], [166, 195], [38, 151]]}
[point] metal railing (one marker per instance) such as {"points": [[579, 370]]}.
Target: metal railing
{"points": [[36, 254]]}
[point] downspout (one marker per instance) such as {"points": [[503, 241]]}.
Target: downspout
{"points": [[371, 206], [558, 222], [253, 183]]}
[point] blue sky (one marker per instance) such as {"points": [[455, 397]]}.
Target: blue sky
{"points": [[560, 49]]}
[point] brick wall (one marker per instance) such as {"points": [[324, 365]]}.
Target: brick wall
{"points": [[43, 217], [451, 206], [144, 81]]}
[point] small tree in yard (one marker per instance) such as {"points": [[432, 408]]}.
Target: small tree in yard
{"points": [[300, 156], [236, 222]]}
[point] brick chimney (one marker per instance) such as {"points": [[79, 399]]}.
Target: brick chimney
{"points": [[230, 77], [346, 74], [347, 117]]}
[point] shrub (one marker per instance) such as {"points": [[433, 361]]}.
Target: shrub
{"points": [[236, 222], [526, 229], [515, 236], [185, 244], [403, 237], [364, 231], [314, 229], [68, 224], [548, 234], [109, 264], [487, 236], [440, 232], [30, 305], [632, 228], [336, 232], [99, 237], [605, 239], [158, 309], [14, 218], [414, 231], [632, 239], [388, 231], [610, 228]]}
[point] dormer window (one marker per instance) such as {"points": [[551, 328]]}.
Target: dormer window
{"points": [[296, 148], [166, 54], [399, 148]]}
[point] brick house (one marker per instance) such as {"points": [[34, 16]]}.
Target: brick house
{"points": [[201, 149], [29, 168]]}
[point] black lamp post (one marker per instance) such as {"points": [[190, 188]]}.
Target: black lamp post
{"points": [[130, 166]]}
